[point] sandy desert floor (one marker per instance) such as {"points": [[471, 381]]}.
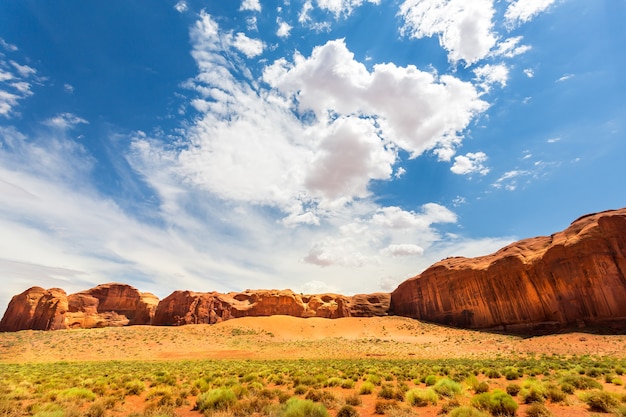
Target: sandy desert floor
{"points": [[289, 338]]}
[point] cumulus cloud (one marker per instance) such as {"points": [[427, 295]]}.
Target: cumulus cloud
{"points": [[369, 239], [252, 5], [465, 28], [416, 110], [248, 46], [529, 72], [522, 11], [283, 30], [181, 6], [470, 163], [488, 75]]}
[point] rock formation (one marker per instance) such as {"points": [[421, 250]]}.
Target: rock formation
{"points": [[36, 309], [110, 305], [103, 306], [113, 304], [574, 277], [186, 307]]}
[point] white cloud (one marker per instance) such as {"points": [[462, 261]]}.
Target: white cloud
{"points": [[508, 180], [251, 23], [342, 7], [181, 6], [553, 140], [373, 239], [565, 78], [470, 163], [465, 28], [415, 110], [65, 121], [23, 70], [403, 249], [510, 47], [252, 5], [13, 83], [529, 72], [522, 11], [488, 75], [283, 30], [399, 173], [248, 46], [8, 46]]}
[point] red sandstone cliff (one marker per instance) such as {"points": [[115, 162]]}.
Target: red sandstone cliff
{"points": [[36, 309], [574, 277], [121, 305], [186, 307], [102, 306]]}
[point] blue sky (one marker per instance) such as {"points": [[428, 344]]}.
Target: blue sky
{"points": [[317, 145]]}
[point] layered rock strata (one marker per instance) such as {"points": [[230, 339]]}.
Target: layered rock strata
{"points": [[187, 307], [574, 277]]}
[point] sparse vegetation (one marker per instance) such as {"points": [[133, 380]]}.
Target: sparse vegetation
{"points": [[474, 387]]}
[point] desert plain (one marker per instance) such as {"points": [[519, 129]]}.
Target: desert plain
{"points": [[348, 366]]}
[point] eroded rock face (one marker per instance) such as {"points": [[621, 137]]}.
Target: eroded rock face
{"points": [[186, 307], [36, 309], [110, 305], [574, 277], [103, 306]]}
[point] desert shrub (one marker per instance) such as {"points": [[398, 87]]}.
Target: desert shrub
{"points": [[567, 388], [325, 397], [538, 410], [353, 399], [620, 411], [497, 402], [481, 387], [383, 406], [347, 384], [389, 392], [76, 394], [493, 373], [333, 382], [448, 406], [374, 379], [295, 407], [533, 392], [95, 410], [447, 387], [555, 394], [347, 411], [300, 390], [216, 399], [134, 387], [430, 380], [366, 388], [283, 396], [580, 382], [421, 397], [511, 375], [617, 381], [599, 400], [467, 411]]}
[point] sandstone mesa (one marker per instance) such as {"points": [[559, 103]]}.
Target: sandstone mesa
{"points": [[576, 277]]}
